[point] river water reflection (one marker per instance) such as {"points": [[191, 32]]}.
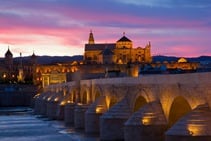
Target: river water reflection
{"points": [[19, 124]]}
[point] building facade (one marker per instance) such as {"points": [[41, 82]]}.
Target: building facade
{"points": [[16, 70], [121, 52]]}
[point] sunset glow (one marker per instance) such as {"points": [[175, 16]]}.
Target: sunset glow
{"points": [[61, 27]]}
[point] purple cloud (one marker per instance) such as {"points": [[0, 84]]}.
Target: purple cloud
{"points": [[171, 26]]}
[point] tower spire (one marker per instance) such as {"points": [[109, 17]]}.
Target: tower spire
{"points": [[20, 70], [21, 61], [91, 38]]}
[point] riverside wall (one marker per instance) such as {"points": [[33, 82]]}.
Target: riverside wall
{"points": [[17, 95]]}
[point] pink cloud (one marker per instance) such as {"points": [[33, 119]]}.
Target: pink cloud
{"points": [[68, 26]]}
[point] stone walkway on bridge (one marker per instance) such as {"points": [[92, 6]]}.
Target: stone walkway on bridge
{"points": [[19, 124]]}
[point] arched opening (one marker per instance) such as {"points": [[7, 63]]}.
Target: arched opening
{"points": [[113, 101], [178, 109], [74, 97], [97, 95], [140, 101], [69, 96], [84, 98]]}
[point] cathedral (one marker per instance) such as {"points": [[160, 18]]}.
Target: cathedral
{"points": [[121, 52], [100, 60]]}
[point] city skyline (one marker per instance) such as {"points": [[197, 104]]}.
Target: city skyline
{"points": [[61, 28]]}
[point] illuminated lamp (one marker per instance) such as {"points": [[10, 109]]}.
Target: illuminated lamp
{"points": [[56, 99], [99, 109], [63, 103]]}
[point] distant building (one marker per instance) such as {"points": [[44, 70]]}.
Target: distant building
{"points": [[9, 60], [102, 60], [16, 70], [183, 64], [180, 66], [53, 77], [121, 52], [45, 75]]}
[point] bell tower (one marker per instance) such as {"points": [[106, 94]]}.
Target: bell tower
{"points": [[20, 70], [91, 38], [9, 59]]}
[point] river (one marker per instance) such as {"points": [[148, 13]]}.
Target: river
{"points": [[20, 124]]}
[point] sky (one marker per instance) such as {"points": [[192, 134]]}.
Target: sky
{"points": [[179, 28]]}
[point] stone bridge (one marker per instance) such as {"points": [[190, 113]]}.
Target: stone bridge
{"points": [[149, 108]]}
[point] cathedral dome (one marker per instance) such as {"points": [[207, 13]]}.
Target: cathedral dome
{"points": [[182, 60], [124, 39]]}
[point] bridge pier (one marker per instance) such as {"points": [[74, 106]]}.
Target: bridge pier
{"points": [[41, 104], [92, 115], [195, 126], [147, 124], [52, 109], [60, 111], [43, 107], [69, 114], [37, 104], [52, 105], [112, 122], [79, 115]]}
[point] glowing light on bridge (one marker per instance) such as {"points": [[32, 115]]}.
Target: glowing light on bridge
{"points": [[145, 121], [49, 99], [37, 95], [56, 99], [196, 129], [99, 109], [79, 104], [4, 75], [69, 101], [148, 119], [108, 100], [62, 103]]}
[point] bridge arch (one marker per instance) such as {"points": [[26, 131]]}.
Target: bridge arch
{"points": [[72, 96], [178, 109], [84, 97], [139, 102], [111, 101], [140, 99], [97, 92]]}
